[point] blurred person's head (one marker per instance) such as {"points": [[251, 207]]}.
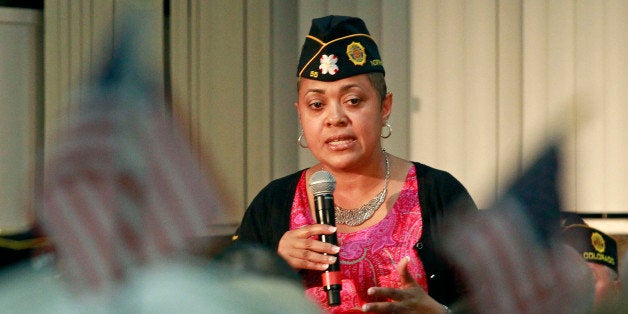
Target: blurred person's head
{"points": [[599, 250]]}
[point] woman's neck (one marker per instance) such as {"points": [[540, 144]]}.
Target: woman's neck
{"points": [[356, 186]]}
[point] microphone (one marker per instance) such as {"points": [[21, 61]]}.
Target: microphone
{"points": [[323, 185]]}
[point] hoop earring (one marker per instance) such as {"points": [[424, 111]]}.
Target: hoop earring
{"points": [[300, 140], [389, 131]]}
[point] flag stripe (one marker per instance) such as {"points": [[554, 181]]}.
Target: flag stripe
{"points": [[184, 179], [71, 242]]}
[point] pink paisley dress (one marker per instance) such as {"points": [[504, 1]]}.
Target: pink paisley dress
{"points": [[368, 257]]}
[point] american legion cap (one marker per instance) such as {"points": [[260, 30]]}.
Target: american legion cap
{"points": [[338, 47], [594, 245]]}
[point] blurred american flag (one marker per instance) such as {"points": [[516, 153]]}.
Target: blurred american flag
{"points": [[123, 188], [510, 256]]}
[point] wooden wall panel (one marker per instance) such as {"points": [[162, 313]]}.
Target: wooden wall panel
{"points": [[454, 88], [509, 92], [181, 18], [561, 99], [219, 116], [285, 47], [258, 105], [449, 84], [615, 111], [221, 55], [589, 84], [480, 96], [395, 51], [423, 87], [534, 78], [56, 71]]}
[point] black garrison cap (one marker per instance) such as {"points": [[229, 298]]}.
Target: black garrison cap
{"points": [[338, 47], [594, 245]]}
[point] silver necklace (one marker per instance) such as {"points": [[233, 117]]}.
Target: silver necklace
{"points": [[357, 216]]}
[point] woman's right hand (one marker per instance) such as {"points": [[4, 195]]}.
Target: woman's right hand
{"points": [[302, 250]]}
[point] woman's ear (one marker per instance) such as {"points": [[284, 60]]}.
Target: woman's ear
{"points": [[387, 106], [296, 106]]}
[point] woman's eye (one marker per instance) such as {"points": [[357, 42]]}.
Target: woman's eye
{"points": [[353, 101], [316, 105]]}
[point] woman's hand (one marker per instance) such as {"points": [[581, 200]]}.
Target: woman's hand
{"points": [[410, 298], [301, 251]]}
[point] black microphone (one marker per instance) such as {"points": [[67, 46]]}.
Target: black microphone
{"points": [[323, 185]]}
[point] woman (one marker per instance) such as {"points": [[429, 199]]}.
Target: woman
{"points": [[389, 211]]}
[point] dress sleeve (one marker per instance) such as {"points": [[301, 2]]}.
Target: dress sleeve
{"points": [[441, 197], [267, 218], [251, 227]]}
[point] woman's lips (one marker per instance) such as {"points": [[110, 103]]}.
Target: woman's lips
{"points": [[340, 143]]}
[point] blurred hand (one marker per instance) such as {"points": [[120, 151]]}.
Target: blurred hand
{"points": [[410, 298], [301, 251]]}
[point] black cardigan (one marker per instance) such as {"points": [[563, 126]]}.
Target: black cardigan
{"points": [[440, 195]]}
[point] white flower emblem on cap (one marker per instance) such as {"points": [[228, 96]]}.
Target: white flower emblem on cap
{"points": [[328, 64]]}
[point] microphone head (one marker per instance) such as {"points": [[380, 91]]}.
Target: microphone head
{"points": [[322, 182]]}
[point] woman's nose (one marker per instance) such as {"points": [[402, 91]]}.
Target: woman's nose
{"points": [[336, 115]]}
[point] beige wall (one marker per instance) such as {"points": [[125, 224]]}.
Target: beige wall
{"points": [[494, 79], [478, 84], [20, 102]]}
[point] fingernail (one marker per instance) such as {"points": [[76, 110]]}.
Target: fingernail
{"points": [[407, 258], [365, 308], [335, 249], [332, 259], [332, 229], [370, 291], [323, 266]]}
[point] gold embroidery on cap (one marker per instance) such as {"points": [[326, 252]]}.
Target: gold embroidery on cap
{"points": [[356, 53], [598, 242]]}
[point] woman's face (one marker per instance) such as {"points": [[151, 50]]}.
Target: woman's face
{"points": [[342, 120]]}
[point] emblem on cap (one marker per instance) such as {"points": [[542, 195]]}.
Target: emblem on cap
{"points": [[328, 64], [598, 242], [356, 53]]}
